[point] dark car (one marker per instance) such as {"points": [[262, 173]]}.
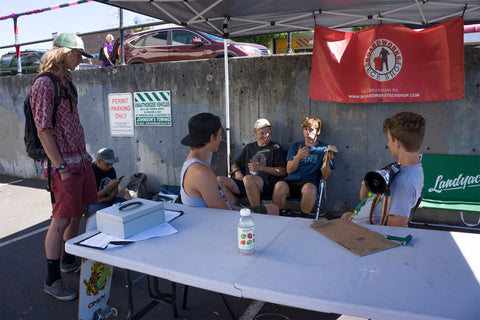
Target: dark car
{"points": [[179, 43], [30, 60]]}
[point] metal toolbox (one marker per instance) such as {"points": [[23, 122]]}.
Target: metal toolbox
{"points": [[128, 218]]}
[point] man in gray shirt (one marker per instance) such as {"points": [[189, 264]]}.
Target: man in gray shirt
{"points": [[405, 132]]}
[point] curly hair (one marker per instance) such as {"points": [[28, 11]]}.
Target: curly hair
{"points": [[54, 60], [312, 122], [406, 127]]}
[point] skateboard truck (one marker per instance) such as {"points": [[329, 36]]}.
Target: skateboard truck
{"points": [[101, 315], [404, 241]]}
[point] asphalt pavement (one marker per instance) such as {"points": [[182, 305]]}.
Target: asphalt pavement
{"points": [[24, 218]]}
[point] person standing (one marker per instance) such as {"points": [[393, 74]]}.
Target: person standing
{"points": [[257, 169], [107, 50], [72, 177], [107, 182]]}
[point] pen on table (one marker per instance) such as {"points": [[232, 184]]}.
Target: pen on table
{"points": [[120, 243]]}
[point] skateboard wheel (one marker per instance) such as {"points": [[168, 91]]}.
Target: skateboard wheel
{"points": [[115, 311]]}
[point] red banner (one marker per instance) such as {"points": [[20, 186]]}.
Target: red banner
{"points": [[388, 63]]}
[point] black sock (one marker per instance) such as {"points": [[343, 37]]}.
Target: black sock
{"points": [[67, 257], [53, 267]]}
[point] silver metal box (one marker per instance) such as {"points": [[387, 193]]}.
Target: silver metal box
{"points": [[130, 217]]}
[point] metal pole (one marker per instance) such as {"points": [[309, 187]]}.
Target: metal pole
{"points": [[122, 51], [289, 43], [17, 47], [227, 101]]}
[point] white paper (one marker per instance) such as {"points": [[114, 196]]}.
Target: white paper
{"points": [[102, 240]]}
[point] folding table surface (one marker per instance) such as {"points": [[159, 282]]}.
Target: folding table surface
{"points": [[436, 278], [202, 254]]}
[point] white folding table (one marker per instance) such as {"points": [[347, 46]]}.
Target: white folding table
{"points": [[201, 254], [438, 277]]}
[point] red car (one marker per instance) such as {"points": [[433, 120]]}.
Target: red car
{"points": [[179, 43]]}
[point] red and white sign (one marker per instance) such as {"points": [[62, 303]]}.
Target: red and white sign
{"points": [[388, 63], [120, 107]]}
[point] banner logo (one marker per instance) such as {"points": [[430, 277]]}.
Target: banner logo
{"points": [[383, 60], [460, 182]]}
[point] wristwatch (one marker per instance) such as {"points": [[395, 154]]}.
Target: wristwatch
{"points": [[61, 167]]}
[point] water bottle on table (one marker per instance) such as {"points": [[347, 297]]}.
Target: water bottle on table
{"points": [[246, 233]]}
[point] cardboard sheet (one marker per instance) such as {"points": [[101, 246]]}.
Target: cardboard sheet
{"points": [[352, 236]]}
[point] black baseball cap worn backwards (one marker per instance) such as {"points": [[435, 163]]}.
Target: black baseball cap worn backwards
{"points": [[200, 127]]}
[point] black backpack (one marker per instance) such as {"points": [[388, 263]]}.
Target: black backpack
{"points": [[115, 52], [33, 145], [101, 55]]}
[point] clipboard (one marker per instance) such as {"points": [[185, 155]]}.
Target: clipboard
{"points": [[352, 236]]}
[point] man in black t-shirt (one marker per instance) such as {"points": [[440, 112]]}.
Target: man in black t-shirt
{"points": [[107, 182], [257, 169]]}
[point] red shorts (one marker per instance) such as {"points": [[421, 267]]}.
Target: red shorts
{"points": [[72, 195]]}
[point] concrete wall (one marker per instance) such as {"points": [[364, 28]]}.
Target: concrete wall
{"points": [[274, 87]]}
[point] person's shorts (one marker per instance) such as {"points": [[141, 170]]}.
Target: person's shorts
{"points": [[259, 209], [241, 187], [267, 188], [296, 186], [73, 194]]}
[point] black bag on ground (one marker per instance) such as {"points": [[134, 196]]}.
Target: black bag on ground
{"points": [[137, 186], [101, 55], [33, 145]]}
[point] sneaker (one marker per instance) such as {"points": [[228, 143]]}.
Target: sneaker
{"points": [[71, 267], [59, 291]]}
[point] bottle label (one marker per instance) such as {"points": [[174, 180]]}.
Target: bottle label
{"points": [[246, 239]]}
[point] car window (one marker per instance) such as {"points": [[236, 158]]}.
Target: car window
{"points": [[151, 40], [30, 60], [180, 37], [6, 61]]}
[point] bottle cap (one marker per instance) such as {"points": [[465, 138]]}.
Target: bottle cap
{"points": [[245, 212]]}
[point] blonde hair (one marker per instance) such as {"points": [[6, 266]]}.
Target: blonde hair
{"points": [[109, 36], [312, 122], [54, 60]]}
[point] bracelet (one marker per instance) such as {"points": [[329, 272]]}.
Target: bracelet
{"points": [[234, 171]]}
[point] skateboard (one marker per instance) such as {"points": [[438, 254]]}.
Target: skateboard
{"points": [[94, 287]]}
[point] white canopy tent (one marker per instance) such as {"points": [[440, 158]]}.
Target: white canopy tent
{"points": [[235, 18]]}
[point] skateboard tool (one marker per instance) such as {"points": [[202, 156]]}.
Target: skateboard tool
{"points": [[404, 241]]}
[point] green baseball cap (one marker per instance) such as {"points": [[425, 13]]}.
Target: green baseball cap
{"points": [[72, 41]]}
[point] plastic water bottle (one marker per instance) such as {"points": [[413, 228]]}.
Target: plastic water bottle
{"points": [[246, 233]]}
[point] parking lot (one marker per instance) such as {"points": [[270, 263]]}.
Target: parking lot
{"points": [[25, 217]]}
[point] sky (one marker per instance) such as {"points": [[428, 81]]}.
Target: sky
{"points": [[81, 18]]}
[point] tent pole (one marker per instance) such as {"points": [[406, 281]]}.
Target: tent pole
{"points": [[227, 102]]}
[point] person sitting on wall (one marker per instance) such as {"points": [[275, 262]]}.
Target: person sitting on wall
{"points": [[405, 132], [198, 183], [107, 182], [308, 162], [262, 161]]}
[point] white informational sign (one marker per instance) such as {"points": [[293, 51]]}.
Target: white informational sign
{"points": [[153, 108], [120, 108]]}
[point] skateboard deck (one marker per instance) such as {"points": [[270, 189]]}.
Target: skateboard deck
{"points": [[94, 287], [94, 291]]}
